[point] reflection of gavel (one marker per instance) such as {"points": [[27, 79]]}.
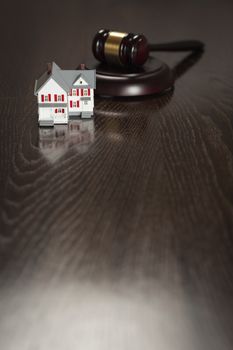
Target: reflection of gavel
{"points": [[132, 50]]}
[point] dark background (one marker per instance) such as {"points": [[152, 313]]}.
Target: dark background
{"points": [[118, 236]]}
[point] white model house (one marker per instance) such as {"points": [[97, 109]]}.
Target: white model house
{"points": [[63, 94]]}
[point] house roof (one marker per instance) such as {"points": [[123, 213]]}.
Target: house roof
{"points": [[66, 78]]}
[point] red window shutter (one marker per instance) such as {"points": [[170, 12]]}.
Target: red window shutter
{"points": [[55, 98], [77, 92], [49, 97], [77, 103], [81, 92], [62, 97], [63, 111], [42, 98], [88, 92], [71, 104], [56, 110]]}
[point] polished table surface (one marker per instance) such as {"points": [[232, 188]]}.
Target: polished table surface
{"points": [[117, 233]]}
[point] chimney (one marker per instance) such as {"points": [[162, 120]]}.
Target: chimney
{"points": [[82, 66], [49, 68]]}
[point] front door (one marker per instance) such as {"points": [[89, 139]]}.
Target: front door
{"points": [[86, 105]]}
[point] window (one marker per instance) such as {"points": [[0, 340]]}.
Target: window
{"points": [[75, 92], [46, 98], [59, 98], [75, 104], [59, 110], [85, 92]]}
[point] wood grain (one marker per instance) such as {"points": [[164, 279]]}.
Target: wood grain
{"points": [[117, 233]]}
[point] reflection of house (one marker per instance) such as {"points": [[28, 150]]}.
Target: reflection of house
{"points": [[63, 93], [54, 142]]}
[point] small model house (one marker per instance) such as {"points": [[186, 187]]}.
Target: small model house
{"points": [[64, 93]]}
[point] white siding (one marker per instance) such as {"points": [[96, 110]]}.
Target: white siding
{"points": [[52, 87], [45, 113], [88, 107]]}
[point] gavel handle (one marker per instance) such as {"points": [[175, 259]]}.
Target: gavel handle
{"points": [[186, 45]]}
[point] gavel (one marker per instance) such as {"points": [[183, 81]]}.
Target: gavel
{"points": [[132, 50]]}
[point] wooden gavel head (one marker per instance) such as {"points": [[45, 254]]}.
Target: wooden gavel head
{"points": [[122, 49]]}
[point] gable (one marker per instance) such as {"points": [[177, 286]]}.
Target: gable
{"points": [[51, 86], [80, 82]]}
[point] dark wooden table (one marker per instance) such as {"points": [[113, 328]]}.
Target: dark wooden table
{"points": [[117, 233]]}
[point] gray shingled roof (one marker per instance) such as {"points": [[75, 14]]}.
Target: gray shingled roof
{"points": [[66, 78]]}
